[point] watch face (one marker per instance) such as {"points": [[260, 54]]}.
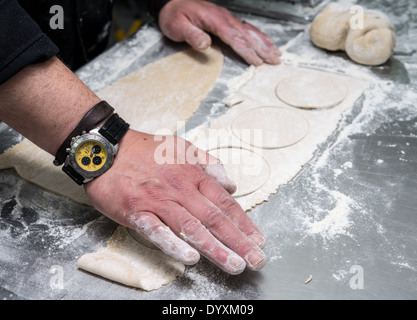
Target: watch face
{"points": [[91, 156]]}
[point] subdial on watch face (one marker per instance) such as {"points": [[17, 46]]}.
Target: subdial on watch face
{"points": [[86, 161], [97, 161], [96, 149], [91, 156]]}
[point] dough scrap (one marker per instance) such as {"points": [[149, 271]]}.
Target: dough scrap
{"points": [[284, 163], [126, 261], [279, 127], [312, 91], [371, 45], [248, 169], [157, 97]]}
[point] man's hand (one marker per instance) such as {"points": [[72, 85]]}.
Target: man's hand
{"points": [[189, 20], [184, 209]]}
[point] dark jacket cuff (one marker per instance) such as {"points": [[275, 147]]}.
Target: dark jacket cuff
{"points": [[155, 6], [21, 41]]}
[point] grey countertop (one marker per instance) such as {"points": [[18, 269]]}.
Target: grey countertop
{"points": [[348, 219]]}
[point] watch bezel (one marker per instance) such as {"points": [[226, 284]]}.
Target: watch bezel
{"points": [[110, 149]]}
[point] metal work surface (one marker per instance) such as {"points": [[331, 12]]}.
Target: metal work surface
{"points": [[302, 11], [348, 219]]}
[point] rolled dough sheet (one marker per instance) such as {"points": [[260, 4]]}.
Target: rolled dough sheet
{"points": [[312, 90], [166, 93], [284, 163], [156, 97]]}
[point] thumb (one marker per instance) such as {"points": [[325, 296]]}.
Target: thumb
{"points": [[214, 168], [218, 173]]}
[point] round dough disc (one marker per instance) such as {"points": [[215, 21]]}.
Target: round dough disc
{"points": [[270, 127], [312, 91], [247, 169]]}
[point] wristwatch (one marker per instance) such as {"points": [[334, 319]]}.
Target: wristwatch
{"points": [[89, 154]]}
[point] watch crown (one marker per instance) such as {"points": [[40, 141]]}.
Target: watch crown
{"points": [[67, 150]]}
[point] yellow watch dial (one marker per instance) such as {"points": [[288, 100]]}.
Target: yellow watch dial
{"points": [[91, 156]]}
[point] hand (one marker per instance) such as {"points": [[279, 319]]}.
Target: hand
{"points": [[187, 20], [184, 209]]}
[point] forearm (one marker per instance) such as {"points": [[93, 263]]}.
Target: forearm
{"points": [[44, 102]]}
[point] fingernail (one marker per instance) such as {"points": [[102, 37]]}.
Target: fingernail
{"points": [[258, 62], [256, 260], [258, 239], [203, 44], [191, 257], [236, 263], [275, 57], [276, 60]]}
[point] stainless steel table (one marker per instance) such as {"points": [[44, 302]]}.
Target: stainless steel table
{"points": [[348, 219]]}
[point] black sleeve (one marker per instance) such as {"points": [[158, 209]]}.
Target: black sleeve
{"points": [[21, 40], [155, 6]]}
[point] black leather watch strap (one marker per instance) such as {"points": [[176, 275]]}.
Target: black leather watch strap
{"points": [[91, 120], [74, 175], [114, 129]]}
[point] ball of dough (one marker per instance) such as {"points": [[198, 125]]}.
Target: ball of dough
{"points": [[375, 43], [371, 45], [330, 28]]}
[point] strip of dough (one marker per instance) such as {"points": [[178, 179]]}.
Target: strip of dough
{"points": [[284, 163]]}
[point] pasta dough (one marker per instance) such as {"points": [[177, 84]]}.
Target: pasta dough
{"points": [[312, 91], [163, 94], [249, 169], [372, 43], [284, 163], [270, 127]]}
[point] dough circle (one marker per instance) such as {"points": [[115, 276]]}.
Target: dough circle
{"points": [[248, 169], [315, 91], [270, 127]]}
